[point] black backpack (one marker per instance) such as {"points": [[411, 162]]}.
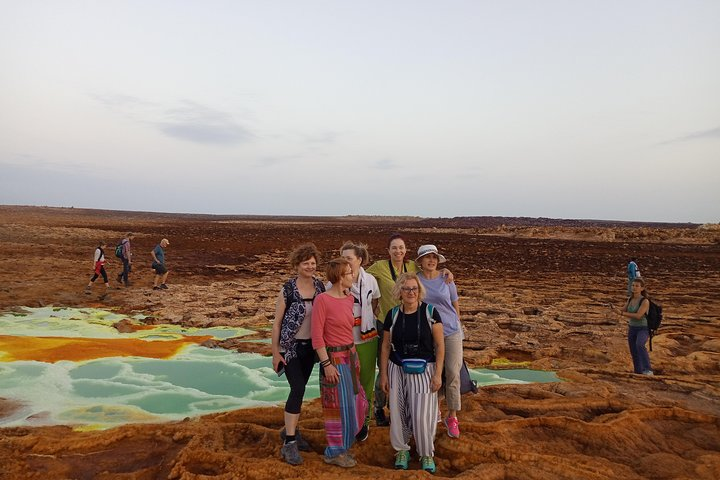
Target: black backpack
{"points": [[654, 319], [467, 384]]}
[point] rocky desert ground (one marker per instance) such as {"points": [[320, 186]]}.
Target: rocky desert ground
{"points": [[532, 292]]}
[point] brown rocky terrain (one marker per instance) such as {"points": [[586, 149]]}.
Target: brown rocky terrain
{"points": [[532, 290]]}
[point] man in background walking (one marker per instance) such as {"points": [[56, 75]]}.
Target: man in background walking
{"points": [[158, 264], [124, 253]]}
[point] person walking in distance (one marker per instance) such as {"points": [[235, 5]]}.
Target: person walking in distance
{"points": [[158, 264], [633, 272], [125, 254], [99, 267]]}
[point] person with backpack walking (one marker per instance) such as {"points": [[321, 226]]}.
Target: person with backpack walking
{"points": [[124, 253], [343, 398], [636, 310], [158, 264], [292, 350], [99, 268], [411, 365], [444, 297], [633, 272]]}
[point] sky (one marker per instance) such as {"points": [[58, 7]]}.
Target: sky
{"points": [[587, 109]]}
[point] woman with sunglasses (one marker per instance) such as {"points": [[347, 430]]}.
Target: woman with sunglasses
{"points": [[411, 365], [343, 399], [292, 349]]}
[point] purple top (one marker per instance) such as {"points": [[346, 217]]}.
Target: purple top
{"points": [[441, 295]]}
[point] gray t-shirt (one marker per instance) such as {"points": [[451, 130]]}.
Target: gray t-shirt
{"points": [[441, 295]]}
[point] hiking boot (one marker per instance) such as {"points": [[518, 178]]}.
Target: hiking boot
{"points": [[427, 464], [343, 460], [155, 287], [401, 459], [290, 453], [362, 435], [163, 286], [88, 290], [380, 419], [453, 427], [302, 444], [119, 278]]}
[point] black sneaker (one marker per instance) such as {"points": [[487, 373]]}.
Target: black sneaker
{"points": [[163, 286], [362, 435], [156, 288], [290, 453], [380, 419], [302, 444]]}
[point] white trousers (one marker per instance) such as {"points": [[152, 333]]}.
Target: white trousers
{"points": [[413, 409]]}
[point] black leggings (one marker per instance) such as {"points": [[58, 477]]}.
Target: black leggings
{"points": [[298, 372], [103, 273]]}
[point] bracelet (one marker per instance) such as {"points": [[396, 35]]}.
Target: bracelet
{"points": [[325, 363]]}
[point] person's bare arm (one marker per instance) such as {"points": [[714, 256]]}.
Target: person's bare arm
{"points": [[439, 343]]}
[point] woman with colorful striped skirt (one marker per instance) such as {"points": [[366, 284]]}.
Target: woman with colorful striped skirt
{"points": [[343, 398]]}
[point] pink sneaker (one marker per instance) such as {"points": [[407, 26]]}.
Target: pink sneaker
{"points": [[453, 427]]}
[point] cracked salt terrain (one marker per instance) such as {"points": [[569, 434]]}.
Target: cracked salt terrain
{"points": [[532, 293]]}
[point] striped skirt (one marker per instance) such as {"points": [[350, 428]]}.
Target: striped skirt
{"points": [[344, 403], [413, 409]]}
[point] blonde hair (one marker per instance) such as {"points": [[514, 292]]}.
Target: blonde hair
{"points": [[402, 279], [360, 249]]}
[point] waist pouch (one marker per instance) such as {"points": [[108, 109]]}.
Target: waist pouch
{"points": [[414, 365]]}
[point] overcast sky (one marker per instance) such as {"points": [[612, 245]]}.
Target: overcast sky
{"points": [[567, 109]]}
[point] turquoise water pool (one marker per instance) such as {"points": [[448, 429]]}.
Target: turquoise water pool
{"points": [[109, 391]]}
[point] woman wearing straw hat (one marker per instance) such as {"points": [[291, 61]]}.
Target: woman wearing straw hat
{"points": [[444, 297]]}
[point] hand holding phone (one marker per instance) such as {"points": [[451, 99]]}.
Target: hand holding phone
{"points": [[280, 369]]}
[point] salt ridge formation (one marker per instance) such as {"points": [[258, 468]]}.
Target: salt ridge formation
{"points": [[534, 294]]}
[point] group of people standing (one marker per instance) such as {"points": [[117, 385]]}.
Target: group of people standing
{"points": [[400, 315], [123, 251]]}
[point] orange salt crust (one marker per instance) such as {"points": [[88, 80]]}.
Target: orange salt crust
{"points": [[54, 349]]}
